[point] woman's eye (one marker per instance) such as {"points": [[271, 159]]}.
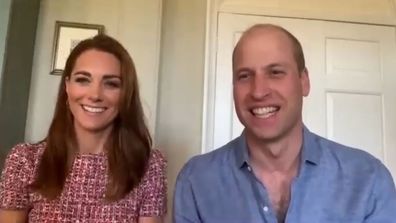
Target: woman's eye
{"points": [[113, 84], [81, 80]]}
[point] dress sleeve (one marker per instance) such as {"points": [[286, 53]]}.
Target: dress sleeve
{"points": [[155, 194], [15, 179]]}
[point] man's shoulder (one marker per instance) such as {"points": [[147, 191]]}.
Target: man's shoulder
{"points": [[358, 171], [210, 163], [351, 159]]}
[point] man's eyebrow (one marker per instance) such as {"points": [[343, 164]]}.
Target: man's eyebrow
{"points": [[276, 65], [243, 69]]}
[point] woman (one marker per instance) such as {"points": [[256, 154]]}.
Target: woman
{"points": [[95, 165]]}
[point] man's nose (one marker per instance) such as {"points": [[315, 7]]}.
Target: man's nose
{"points": [[260, 87]]}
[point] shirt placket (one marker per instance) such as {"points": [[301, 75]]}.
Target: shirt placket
{"points": [[261, 197]]}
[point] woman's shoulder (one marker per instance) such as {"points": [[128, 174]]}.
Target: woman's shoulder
{"points": [[18, 174], [157, 156], [157, 160], [153, 190], [27, 153], [28, 149], [157, 164]]}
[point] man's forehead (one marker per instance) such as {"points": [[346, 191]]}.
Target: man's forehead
{"points": [[263, 40], [263, 34]]}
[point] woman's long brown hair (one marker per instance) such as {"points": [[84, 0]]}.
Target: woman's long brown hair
{"points": [[129, 144]]}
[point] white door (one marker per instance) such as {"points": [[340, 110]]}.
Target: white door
{"points": [[352, 70]]}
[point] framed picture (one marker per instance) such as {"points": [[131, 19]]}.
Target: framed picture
{"points": [[67, 36]]}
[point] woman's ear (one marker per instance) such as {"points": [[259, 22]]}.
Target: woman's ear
{"points": [[67, 80]]}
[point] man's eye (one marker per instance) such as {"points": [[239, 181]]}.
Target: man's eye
{"points": [[277, 72], [243, 76]]}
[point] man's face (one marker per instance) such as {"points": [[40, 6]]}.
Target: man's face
{"points": [[267, 85]]}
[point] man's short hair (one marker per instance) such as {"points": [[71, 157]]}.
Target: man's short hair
{"points": [[297, 49]]}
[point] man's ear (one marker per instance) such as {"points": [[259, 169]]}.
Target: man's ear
{"points": [[305, 83]]}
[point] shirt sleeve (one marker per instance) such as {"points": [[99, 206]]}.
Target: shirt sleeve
{"points": [[383, 208], [14, 180], [184, 205], [154, 203]]}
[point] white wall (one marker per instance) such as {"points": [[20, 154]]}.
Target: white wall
{"points": [[135, 23], [357, 11], [361, 11]]}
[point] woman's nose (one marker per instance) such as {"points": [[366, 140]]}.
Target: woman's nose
{"points": [[95, 92]]}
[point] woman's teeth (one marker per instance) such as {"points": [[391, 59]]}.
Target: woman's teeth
{"points": [[93, 109]]}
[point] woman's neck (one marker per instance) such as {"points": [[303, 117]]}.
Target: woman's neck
{"points": [[92, 142]]}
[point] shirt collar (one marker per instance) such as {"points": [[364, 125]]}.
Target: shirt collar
{"points": [[241, 151], [310, 153]]}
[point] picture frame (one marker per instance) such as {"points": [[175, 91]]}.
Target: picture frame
{"points": [[67, 36]]}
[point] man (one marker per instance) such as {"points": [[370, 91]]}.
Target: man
{"points": [[277, 170]]}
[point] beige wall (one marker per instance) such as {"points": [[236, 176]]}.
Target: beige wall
{"points": [[180, 95], [135, 23], [179, 100], [5, 7]]}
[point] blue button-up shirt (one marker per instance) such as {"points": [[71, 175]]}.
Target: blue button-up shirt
{"points": [[335, 184]]}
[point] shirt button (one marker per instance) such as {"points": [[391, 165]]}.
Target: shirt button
{"points": [[265, 208], [250, 169]]}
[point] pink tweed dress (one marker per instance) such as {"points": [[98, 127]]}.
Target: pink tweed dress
{"points": [[82, 199]]}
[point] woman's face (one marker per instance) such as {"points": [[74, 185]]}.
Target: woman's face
{"points": [[93, 91]]}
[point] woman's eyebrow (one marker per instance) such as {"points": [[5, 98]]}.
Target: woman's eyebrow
{"points": [[111, 76], [84, 73]]}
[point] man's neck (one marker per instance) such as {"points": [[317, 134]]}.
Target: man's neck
{"points": [[275, 163], [277, 156]]}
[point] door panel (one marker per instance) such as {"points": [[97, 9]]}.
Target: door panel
{"points": [[345, 112]]}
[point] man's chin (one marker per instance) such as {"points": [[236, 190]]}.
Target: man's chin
{"points": [[264, 135]]}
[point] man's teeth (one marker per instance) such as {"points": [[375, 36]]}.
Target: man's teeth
{"points": [[264, 112], [93, 109]]}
